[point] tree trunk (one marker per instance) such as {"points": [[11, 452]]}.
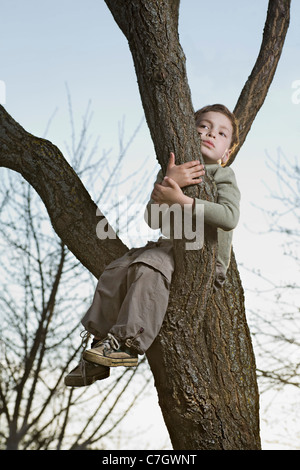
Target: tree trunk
{"points": [[202, 360], [210, 399]]}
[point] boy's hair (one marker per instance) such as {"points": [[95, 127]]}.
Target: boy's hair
{"points": [[220, 108]]}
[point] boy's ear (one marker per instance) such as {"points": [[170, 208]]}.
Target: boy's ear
{"points": [[226, 156]]}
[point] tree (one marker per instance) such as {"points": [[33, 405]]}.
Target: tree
{"points": [[202, 360]]}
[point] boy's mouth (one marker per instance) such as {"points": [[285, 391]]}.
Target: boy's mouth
{"points": [[208, 143]]}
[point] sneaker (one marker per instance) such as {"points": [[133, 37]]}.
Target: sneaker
{"points": [[86, 374], [109, 352]]}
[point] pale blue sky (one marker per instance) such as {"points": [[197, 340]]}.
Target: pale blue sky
{"points": [[44, 45]]}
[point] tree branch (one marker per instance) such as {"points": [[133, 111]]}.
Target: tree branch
{"points": [[151, 30], [71, 209], [257, 86]]}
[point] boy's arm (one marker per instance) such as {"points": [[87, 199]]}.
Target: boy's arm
{"points": [[185, 174], [225, 212], [153, 223], [167, 191]]}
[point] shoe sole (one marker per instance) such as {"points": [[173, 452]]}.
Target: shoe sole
{"points": [[79, 382], [109, 361]]}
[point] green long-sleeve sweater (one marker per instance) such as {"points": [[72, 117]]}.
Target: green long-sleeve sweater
{"points": [[223, 214]]}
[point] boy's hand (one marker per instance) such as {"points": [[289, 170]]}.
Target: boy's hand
{"points": [[169, 192], [185, 174]]}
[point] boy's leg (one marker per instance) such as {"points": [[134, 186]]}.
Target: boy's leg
{"points": [[143, 309], [134, 283], [139, 320], [108, 298]]}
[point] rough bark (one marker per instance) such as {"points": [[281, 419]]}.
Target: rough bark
{"points": [[202, 360]]}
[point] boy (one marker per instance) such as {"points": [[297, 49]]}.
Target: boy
{"points": [[132, 294]]}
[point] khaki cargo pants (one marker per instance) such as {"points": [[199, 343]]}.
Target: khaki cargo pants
{"points": [[131, 297]]}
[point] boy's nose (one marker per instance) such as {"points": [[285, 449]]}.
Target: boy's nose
{"points": [[211, 134]]}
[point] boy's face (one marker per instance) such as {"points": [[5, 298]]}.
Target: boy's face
{"points": [[215, 130]]}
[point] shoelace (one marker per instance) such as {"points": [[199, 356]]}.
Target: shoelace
{"points": [[85, 335], [130, 341], [111, 341]]}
